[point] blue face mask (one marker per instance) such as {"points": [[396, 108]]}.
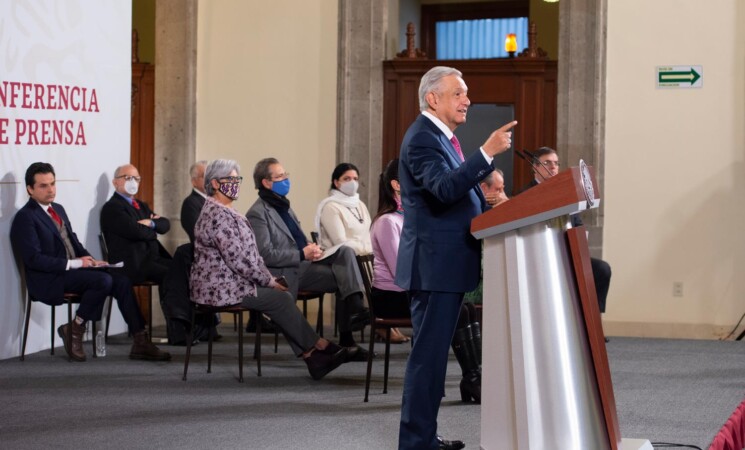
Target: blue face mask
{"points": [[281, 187]]}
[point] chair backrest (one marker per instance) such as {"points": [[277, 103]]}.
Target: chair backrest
{"points": [[104, 247], [365, 263]]}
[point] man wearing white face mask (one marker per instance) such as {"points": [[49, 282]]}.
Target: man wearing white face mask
{"points": [[342, 218], [131, 230]]}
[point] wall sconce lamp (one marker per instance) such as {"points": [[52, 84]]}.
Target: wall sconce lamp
{"points": [[551, 1], [510, 44]]}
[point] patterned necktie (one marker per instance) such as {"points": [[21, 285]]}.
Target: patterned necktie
{"points": [[135, 204], [54, 216], [456, 144]]}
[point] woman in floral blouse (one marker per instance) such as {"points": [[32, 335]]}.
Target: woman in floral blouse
{"points": [[228, 269]]}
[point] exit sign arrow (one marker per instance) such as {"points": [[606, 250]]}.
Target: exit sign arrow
{"points": [[676, 77], [679, 76]]}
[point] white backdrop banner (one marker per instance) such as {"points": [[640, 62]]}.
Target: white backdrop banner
{"points": [[65, 83]]}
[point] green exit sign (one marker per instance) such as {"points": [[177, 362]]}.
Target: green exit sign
{"points": [[680, 77]]}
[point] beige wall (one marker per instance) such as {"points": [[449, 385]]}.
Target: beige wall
{"points": [[674, 168], [266, 86]]}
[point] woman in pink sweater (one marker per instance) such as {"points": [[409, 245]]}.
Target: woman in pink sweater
{"points": [[389, 300]]}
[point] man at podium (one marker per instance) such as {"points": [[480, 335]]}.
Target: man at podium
{"points": [[438, 258]]}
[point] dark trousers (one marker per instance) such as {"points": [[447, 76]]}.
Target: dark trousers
{"points": [[434, 316], [336, 273], [94, 286], [601, 276]]}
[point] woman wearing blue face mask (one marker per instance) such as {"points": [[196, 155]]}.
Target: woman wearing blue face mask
{"points": [[342, 218]]}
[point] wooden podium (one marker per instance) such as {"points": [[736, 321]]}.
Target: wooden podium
{"points": [[545, 378]]}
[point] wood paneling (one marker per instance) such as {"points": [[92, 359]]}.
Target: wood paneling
{"points": [[142, 144], [527, 84]]}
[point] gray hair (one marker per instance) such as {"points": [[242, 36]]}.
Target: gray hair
{"points": [[431, 83], [262, 172], [219, 168], [193, 168], [489, 179], [119, 169]]}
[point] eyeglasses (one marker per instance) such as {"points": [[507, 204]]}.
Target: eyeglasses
{"points": [[232, 179], [130, 178], [551, 163], [280, 177]]}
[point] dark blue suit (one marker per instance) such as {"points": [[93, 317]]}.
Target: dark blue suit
{"points": [[438, 261], [37, 240]]}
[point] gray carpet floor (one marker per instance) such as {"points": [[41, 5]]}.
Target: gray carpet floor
{"points": [[666, 390]]}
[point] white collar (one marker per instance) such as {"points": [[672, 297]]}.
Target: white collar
{"points": [[43, 206], [199, 192], [439, 123]]}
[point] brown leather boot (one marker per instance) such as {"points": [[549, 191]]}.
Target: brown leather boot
{"points": [[142, 348], [72, 336]]}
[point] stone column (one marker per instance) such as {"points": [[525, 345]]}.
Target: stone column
{"points": [[175, 109], [362, 31], [581, 95]]}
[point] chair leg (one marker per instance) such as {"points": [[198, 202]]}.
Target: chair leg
{"points": [[387, 358], [209, 350], [69, 329], [240, 347], [150, 313], [54, 308], [93, 337], [108, 320], [319, 321], [189, 339], [259, 326], [257, 344], [369, 361], [276, 339], [25, 329]]}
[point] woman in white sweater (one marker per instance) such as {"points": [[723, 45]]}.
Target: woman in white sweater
{"points": [[342, 218]]}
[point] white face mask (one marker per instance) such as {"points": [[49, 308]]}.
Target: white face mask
{"points": [[131, 186], [349, 188]]}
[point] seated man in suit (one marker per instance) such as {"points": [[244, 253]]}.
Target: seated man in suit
{"points": [[56, 262], [546, 165], [286, 251], [192, 205], [493, 187], [131, 230]]}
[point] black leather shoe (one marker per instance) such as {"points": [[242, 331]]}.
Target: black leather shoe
{"points": [[331, 349], [449, 445], [359, 320], [320, 364], [358, 354], [204, 334]]}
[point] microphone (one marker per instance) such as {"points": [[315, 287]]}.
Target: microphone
{"points": [[530, 159], [314, 237]]}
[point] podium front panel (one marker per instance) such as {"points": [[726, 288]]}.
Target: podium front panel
{"points": [[538, 385]]}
